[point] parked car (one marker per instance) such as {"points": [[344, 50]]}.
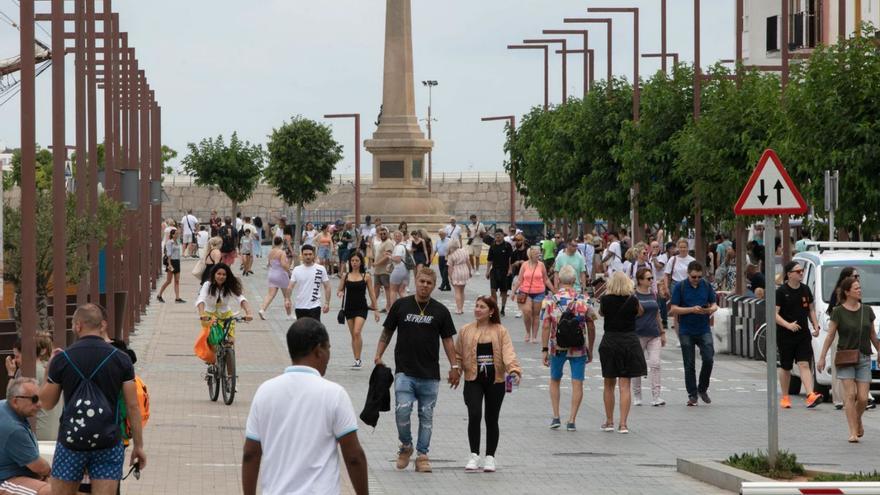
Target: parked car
{"points": [[822, 262]]}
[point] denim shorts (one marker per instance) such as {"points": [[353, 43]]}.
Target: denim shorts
{"points": [[324, 253], [539, 297], [861, 372], [557, 363], [104, 464]]}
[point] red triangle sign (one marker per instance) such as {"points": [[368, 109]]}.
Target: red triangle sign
{"points": [[770, 190]]}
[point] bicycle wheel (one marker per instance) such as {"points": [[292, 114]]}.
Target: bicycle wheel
{"points": [[213, 380], [761, 343], [227, 376]]}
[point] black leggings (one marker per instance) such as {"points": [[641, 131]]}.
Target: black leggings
{"points": [[474, 392]]}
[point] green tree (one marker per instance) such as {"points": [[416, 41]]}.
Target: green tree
{"points": [[832, 121], [302, 158], [168, 154], [79, 231], [645, 149], [234, 169], [601, 192], [43, 172], [715, 154]]}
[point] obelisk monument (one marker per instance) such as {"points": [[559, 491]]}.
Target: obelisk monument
{"points": [[398, 145]]}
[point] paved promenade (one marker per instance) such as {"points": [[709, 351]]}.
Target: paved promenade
{"points": [[194, 445]]}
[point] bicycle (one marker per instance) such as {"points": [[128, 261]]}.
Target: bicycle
{"points": [[221, 374]]}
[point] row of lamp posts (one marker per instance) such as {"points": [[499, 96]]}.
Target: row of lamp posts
{"points": [[132, 168]]}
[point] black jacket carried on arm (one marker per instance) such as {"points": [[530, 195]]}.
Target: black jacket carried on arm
{"points": [[378, 395]]}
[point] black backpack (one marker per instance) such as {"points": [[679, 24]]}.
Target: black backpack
{"points": [[227, 233], [88, 421], [568, 329]]}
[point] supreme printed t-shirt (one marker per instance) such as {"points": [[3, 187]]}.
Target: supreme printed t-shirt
{"points": [[419, 327]]}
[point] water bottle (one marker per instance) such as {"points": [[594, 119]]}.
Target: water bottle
{"points": [[508, 383]]}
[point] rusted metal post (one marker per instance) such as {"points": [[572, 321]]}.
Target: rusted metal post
{"points": [[546, 68], [81, 172], [357, 160], [111, 152], [28, 190], [59, 191], [144, 205], [586, 34], [608, 47], [92, 141], [563, 42], [511, 121], [156, 241]]}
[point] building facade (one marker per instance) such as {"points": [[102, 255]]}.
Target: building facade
{"points": [[811, 23]]}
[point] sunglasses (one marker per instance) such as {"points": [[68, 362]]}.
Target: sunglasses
{"points": [[856, 275], [648, 278], [799, 270], [33, 398]]}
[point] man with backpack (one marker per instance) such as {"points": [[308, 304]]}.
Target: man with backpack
{"points": [[91, 374], [568, 335], [693, 301]]}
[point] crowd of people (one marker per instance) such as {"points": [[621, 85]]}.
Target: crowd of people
{"points": [[560, 286]]}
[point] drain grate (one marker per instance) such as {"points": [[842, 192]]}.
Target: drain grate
{"points": [[584, 454]]}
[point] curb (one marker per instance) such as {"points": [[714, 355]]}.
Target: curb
{"points": [[717, 474]]}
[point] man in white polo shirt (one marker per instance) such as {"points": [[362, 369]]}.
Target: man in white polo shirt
{"points": [[296, 421]]}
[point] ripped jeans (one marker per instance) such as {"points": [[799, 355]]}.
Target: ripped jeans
{"points": [[408, 391]]}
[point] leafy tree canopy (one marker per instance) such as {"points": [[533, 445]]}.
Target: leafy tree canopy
{"points": [[235, 169]]}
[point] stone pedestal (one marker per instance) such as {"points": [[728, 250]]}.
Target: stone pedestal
{"points": [[398, 146]]}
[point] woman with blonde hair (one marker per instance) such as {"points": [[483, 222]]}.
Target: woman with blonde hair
{"points": [[212, 256], [620, 351], [529, 288], [460, 271]]}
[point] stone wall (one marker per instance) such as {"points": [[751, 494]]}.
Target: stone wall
{"points": [[489, 200]]}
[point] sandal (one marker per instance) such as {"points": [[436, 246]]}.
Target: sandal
{"points": [[853, 439], [623, 430], [607, 427]]}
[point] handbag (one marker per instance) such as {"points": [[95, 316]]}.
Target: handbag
{"points": [[199, 269], [340, 317], [202, 349], [522, 297], [850, 357]]}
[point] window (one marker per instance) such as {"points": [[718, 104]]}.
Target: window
{"points": [[417, 169], [805, 24], [773, 33]]}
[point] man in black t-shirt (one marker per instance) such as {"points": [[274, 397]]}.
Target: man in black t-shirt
{"points": [[230, 240], [498, 268], [421, 324], [116, 374], [794, 310]]}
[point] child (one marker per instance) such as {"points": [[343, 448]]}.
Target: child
{"points": [[202, 240]]}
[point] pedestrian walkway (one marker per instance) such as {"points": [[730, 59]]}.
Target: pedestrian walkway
{"points": [[194, 445]]}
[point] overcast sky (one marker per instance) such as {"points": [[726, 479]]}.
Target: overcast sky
{"points": [[220, 66]]}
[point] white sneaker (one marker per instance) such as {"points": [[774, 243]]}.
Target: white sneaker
{"points": [[473, 463], [357, 364], [637, 400], [262, 314], [518, 314], [489, 464], [290, 317], [658, 402]]}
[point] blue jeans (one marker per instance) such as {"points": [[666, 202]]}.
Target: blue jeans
{"points": [[688, 354], [408, 391]]}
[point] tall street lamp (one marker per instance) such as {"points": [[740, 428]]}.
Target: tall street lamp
{"points": [[589, 59], [511, 121], [672, 55], [430, 85], [608, 25], [563, 42], [586, 34], [637, 232], [357, 160], [546, 68]]}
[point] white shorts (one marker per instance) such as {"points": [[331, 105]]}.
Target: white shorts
{"points": [[475, 249], [187, 238]]}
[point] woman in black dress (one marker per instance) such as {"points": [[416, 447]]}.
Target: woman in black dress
{"points": [[353, 289], [620, 351]]}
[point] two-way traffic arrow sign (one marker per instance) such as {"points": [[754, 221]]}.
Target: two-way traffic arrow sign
{"points": [[754, 199]]}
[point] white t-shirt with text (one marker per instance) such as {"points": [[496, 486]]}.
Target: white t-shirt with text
{"points": [[309, 285], [678, 267]]}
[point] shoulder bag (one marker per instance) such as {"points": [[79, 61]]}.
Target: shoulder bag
{"points": [[199, 269], [340, 317], [850, 357]]}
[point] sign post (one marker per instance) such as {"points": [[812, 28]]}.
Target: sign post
{"points": [[770, 192], [831, 182]]}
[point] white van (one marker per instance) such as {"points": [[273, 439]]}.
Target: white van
{"points": [[822, 262]]}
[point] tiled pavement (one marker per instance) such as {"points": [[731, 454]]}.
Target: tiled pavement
{"points": [[194, 445]]}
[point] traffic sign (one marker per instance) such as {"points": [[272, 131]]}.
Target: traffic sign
{"points": [[770, 190]]}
